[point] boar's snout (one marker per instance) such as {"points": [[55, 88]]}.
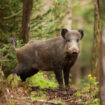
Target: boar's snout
{"points": [[73, 52]]}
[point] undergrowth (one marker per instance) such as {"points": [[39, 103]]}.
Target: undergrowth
{"points": [[40, 79]]}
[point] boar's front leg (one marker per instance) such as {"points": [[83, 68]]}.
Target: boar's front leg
{"points": [[66, 72], [58, 74]]}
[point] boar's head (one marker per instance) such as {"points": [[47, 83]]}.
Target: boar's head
{"points": [[71, 40]]}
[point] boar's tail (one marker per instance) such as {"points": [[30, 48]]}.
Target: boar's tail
{"points": [[12, 40]]}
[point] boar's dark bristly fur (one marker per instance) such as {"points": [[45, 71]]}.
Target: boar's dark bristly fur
{"points": [[56, 54]]}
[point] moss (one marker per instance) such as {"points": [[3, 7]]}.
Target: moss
{"points": [[40, 79]]}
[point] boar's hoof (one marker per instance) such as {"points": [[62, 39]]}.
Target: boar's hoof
{"points": [[61, 87], [67, 87]]}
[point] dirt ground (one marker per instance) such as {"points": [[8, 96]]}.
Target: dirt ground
{"points": [[21, 96], [57, 94]]}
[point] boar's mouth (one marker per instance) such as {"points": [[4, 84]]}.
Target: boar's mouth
{"points": [[69, 55], [74, 54]]}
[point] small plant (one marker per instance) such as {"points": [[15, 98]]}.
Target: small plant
{"points": [[13, 81], [93, 90], [93, 84]]}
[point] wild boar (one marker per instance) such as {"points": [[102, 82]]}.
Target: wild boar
{"points": [[57, 54]]}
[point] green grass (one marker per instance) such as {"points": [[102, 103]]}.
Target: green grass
{"points": [[41, 80]]}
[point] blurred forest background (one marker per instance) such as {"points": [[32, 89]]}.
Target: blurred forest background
{"points": [[47, 20], [48, 17]]}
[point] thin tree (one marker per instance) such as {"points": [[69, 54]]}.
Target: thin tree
{"points": [[96, 42], [99, 48], [102, 54], [27, 9], [102, 70]]}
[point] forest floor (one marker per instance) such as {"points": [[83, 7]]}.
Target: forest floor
{"points": [[15, 92], [45, 96]]}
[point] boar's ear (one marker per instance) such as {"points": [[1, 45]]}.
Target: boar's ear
{"points": [[81, 32], [63, 32]]}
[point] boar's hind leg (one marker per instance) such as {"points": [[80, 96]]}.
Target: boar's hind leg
{"points": [[58, 74], [66, 76], [24, 71], [28, 73]]}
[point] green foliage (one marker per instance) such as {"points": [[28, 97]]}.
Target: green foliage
{"points": [[40, 79], [102, 11], [88, 14], [40, 95], [10, 10], [86, 98], [8, 59], [90, 83], [48, 23], [88, 94], [44, 25], [93, 102], [11, 102], [13, 81], [83, 18], [86, 50], [93, 80]]}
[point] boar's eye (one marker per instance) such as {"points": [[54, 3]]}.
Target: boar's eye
{"points": [[68, 40], [77, 40]]}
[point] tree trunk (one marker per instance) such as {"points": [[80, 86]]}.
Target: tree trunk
{"points": [[96, 42], [27, 9], [102, 70]]}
